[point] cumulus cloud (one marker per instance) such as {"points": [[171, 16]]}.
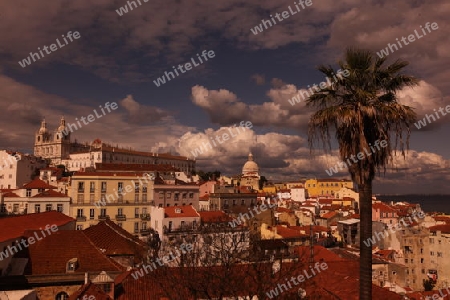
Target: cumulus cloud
{"points": [[137, 113]]}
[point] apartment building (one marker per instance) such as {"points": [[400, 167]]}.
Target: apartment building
{"points": [[17, 168], [123, 197], [329, 187], [439, 267], [34, 197]]}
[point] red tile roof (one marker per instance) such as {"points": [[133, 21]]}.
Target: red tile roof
{"points": [[288, 233], [50, 193], [37, 184], [186, 211], [134, 167], [383, 207], [445, 228], [90, 289], [329, 214], [14, 227], [114, 240], [10, 194], [217, 216], [51, 254]]}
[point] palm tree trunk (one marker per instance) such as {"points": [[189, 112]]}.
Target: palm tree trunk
{"points": [[365, 229]]}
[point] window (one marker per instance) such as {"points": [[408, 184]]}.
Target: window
{"points": [[120, 187], [176, 196], [106, 288], [161, 195], [144, 197], [136, 197], [91, 214], [91, 198], [421, 260], [234, 202], [120, 211], [79, 227], [184, 196], [423, 271], [169, 194], [81, 187], [431, 240], [136, 187], [136, 212], [103, 189], [431, 253], [80, 198], [59, 208], [28, 192], [37, 208], [439, 254], [242, 202], [92, 187], [48, 207], [62, 296], [136, 227], [144, 210], [79, 212], [144, 188], [182, 224], [103, 212], [191, 195], [144, 225]]}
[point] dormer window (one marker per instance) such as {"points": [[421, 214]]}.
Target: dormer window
{"points": [[178, 210], [72, 265]]}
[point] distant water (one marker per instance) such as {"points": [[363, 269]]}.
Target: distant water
{"points": [[429, 203]]}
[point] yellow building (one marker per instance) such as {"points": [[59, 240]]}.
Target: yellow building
{"points": [[123, 197], [271, 189], [326, 187]]}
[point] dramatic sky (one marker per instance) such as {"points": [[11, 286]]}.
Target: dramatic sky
{"points": [[251, 78]]}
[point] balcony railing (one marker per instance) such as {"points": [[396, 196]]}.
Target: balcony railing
{"points": [[145, 231], [183, 228], [81, 218], [103, 217], [145, 217], [121, 217]]}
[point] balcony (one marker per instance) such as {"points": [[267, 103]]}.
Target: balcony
{"points": [[81, 218], [121, 217], [145, 231], [103, 217], [145, 217]]}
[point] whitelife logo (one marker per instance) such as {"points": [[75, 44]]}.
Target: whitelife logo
{"points": [[225, 137], [90, 118], [342, 165], [31, 240], [161, 80], [27, 61], [411, 38], [279, 289], [423, 122], [317, 88], [285, 14]]}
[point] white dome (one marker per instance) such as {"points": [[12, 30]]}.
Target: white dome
{"points": [[250, 166]]}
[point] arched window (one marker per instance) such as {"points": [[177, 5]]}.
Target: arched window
{"points": [[62, 296]]}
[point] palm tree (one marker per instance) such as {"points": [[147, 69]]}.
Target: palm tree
{"points": [[361, 108]]}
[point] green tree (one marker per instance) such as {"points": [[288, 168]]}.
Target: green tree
{"points": [[360, 108]]}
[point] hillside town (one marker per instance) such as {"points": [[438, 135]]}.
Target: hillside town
{"points": [[98, 221]]}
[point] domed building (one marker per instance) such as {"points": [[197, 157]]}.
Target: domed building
{"points": [[250, 173]]}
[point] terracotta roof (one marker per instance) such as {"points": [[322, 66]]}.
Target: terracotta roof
{"points": [[283, 209], [14, 227], [383, 207], [186, 211], [10, 194], [445, 228], [204, 197], [316, 228], [88, 290], [325, 201], [114, 240], [214, 216], [65, 245], [37, 184], [134, 167], [289, 233], [329, 214], [50, 193]]}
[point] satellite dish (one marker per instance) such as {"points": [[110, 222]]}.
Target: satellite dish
{"points": [[301, 293]]}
